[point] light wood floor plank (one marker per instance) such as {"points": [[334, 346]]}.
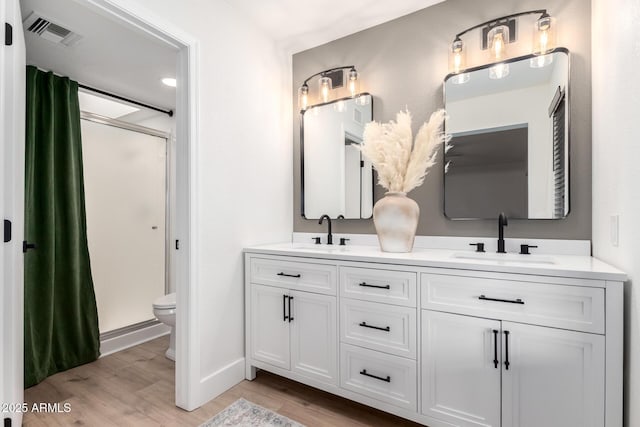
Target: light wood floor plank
{"points": [[136, 387]]}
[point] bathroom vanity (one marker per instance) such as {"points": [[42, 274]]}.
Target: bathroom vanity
{"points": [[442, 337]]}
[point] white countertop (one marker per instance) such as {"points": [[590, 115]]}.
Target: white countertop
{"points": [[574, 266]]}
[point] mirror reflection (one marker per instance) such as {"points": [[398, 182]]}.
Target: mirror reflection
{"points": [[510, 140], [336, 179]]}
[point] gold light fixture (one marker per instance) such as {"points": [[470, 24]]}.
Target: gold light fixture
{"points": [[328, 81], [496, 35]]}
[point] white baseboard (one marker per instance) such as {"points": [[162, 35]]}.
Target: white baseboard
{"points": [[118, 343], [220, 381]]}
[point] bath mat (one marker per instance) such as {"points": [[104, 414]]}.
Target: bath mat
{"points": [[244, 413]]}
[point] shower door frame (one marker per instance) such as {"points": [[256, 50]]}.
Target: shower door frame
{"points": [[168, 214]]}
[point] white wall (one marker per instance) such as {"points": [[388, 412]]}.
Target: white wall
{"points": [[244, 170], [616, 152]]}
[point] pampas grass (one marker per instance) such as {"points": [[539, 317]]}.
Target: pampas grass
{"points": [[401, 164]]}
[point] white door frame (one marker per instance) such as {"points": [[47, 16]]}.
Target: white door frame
{"points": [[184, 260], [12, 130]]}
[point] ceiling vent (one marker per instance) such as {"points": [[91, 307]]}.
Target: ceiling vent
{"points": [[42, 27]]}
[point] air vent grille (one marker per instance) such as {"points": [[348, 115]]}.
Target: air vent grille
{"points": [[58, 30], [44, 28]]}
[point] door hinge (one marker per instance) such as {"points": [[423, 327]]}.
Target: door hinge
{"points": [[361, 163], [7, 231], [8, 34], [177, 244], [7, 422]]}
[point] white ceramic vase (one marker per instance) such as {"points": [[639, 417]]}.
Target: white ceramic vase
{"points": [[395, 217]]}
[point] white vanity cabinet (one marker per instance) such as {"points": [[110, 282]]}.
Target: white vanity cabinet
{"points": [[476, 345], [508, 345], [292, 329]]}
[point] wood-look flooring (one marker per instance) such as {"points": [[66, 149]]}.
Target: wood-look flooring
{"points": [[135, 387]]}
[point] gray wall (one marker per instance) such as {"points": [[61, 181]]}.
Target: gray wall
{"points": [[403, 63]]}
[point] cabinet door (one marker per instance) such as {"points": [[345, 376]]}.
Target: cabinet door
{"points": [[555, 377], [269, 327], [314, 337], [460, 380]]}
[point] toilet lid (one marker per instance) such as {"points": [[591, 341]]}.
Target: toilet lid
{"points": [[166, 301]]}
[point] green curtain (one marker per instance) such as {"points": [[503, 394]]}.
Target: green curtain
{"points": [[60, 313]]}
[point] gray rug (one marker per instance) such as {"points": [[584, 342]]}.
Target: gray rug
{"points": [[244, 413]]}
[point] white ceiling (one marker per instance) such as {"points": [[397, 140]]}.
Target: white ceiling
{"points": [[298, 25], [110, 56], [124, 61]]}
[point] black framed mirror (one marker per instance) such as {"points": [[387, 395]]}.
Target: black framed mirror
{"points": [[510, 138]]}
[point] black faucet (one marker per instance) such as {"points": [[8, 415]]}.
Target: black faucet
{"points": [[502, 223], [329, 235]]}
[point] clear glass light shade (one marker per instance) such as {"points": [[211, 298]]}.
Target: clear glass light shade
{"points": [[457, 58], [459, 79], [363, 100], [541, 61], [497, 39], [325, 88], [499, 71], [544, 35], [303, 97], [354, 82]]}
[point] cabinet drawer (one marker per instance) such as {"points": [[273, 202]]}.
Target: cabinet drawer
{"points": [[567, 307], [381, 327], [390, 379], [318, 278], [387, 286]]}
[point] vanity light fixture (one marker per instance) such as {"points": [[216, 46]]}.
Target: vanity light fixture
{"points": [[544, 41], [329, 80], [496, 35]]}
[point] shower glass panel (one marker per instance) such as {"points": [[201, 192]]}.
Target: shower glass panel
{"points": [[126, 198]]}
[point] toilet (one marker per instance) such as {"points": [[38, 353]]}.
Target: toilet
{"points": [[164, 308]]}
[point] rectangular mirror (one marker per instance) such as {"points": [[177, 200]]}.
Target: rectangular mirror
{"points": [[336, 180], [510, 139]]}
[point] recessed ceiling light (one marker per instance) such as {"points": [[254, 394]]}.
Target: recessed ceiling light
{"points": [[169, 81]]}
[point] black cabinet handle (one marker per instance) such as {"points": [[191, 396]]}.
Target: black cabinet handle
{"points": [[366, 285], [495, 348], [506, 350], [512, 301], [364, 325], [290, 316], [366, 374], [284, 308], [289, 275]]}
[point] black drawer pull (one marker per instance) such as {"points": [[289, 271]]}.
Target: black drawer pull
{"points": [[512, 301], [366, 374], [366, 285], [364, 325], [289, 275]]}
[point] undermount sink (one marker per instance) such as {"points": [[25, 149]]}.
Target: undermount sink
{"points": [[508, 258], [319, 248]]}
